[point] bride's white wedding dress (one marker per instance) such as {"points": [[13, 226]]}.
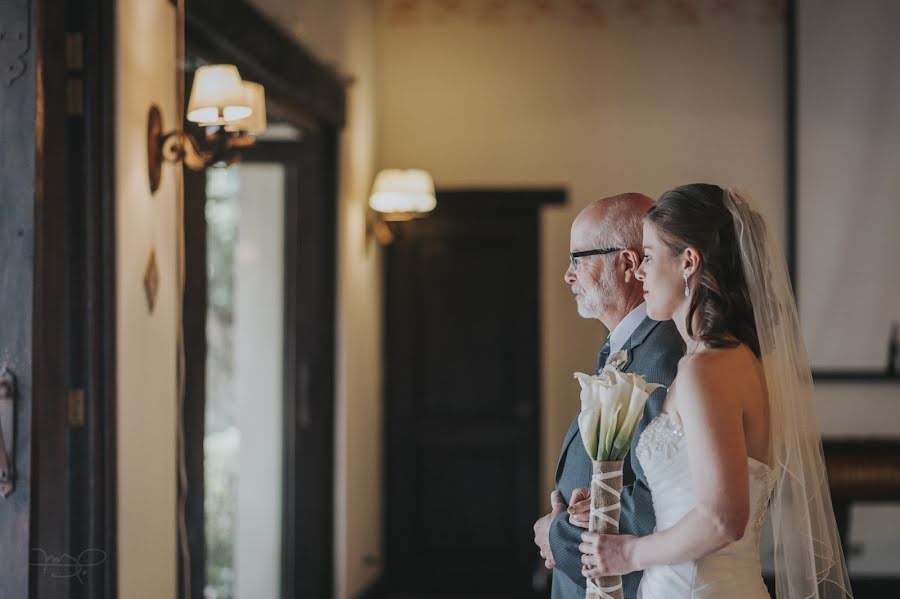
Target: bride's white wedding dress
{"points": [[732, 572]]}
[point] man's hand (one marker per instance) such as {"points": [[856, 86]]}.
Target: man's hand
{"points": [[580, 508], [542, 529]]}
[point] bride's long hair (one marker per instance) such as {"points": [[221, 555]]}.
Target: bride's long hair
{"points": [[747, 292], [696, 216]]}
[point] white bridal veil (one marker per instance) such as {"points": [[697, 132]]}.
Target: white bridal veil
{"points": [[809, 562]]}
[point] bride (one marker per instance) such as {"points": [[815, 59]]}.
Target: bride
{"points": [[737, 435]]}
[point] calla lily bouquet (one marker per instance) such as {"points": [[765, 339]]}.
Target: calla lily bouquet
{"points": [[612, 403]]}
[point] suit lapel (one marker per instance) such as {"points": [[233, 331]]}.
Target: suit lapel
{"points": [[573, 432], [637, 337]]}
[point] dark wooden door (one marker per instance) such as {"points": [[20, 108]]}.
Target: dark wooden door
{"points": [[57, 289], [19, 171], [462, 397]]}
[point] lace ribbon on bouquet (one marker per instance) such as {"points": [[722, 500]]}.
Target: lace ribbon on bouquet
{"points": [[606, 493], [599, 479]]}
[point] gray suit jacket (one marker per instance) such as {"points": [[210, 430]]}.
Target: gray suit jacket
{"points": [[654, 350]]}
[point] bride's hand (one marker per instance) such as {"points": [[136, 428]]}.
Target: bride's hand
{"points": [[580, 508], [606, 555]]}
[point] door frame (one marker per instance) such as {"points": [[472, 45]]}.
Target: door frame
{"points": [[70, 391], [456, 201], [309, 363], [308, 367], [101, 503], [304, 93]]}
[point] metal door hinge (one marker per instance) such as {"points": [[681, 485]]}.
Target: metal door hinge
{"points": [[75, 408], [74, 97], [75, 66], [74, 51]]}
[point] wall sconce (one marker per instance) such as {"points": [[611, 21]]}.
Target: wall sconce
{"points": [[231, 111], [398, 195]]}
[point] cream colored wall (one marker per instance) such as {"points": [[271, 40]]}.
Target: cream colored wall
{"points": [[358, 533], [340, 33], [629, 106], [145, 74]]}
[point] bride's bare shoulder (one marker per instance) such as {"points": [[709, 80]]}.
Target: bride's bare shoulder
{"points": [[718, 369]]}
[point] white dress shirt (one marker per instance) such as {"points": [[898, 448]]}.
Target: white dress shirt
{"points": [[626, 327]]}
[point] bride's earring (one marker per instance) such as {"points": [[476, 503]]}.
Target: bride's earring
{"points": [[687, 289]]}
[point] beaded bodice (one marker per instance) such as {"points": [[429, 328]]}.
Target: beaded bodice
{"points": [[663, 454]]}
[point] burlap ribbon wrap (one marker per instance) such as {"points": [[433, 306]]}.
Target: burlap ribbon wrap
{"points": [[606, 489]]}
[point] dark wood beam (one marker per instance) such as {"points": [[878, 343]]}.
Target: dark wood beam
{"points": [[298, 86]]}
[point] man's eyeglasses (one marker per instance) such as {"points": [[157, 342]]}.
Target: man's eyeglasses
{"points": [[574, 256]]}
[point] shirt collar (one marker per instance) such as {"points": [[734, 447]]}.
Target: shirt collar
{"points": [[626, 327]]}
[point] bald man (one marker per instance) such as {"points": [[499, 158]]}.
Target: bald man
{"points": [[606, 250]]}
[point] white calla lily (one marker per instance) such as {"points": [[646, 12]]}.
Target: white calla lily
{"points": [[589, 417], [640, 393], [612, 403]]}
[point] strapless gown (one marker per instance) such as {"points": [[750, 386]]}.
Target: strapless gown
{"points": [[733, 572]]}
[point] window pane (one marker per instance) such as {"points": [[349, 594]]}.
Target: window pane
{"points": [[243, 442]]}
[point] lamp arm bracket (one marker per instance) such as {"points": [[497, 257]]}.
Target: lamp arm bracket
{"points": [[179, 145]]}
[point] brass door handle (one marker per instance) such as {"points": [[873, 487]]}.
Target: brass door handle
{"points": [[7, 432]]}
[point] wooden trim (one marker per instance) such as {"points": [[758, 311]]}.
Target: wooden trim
{"points": [[790, 128], [194, 309], [298, 87], [100, 260], [291, 387], [497, 196], [74, 465], [863, 376], [54, 301]]}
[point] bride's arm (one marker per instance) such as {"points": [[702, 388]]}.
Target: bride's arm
{"points": [[712, 418], [711, 415]]}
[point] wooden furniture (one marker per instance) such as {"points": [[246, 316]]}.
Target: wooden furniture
{"points": [[861, 471], [858, 472]]}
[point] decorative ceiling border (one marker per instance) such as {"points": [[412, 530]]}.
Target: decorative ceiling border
{"points": [[596, 13]]}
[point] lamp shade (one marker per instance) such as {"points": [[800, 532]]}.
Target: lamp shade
{"points": [[217, 97], [255, 98], [399, 191]]}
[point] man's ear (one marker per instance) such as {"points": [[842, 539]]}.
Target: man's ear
{"points": [[630, 261], [690, 261]]}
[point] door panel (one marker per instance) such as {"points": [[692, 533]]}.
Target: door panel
{"points": [[18, 170], [462, 398]]}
